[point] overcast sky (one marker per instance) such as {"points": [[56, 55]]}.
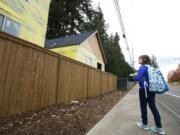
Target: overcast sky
{"points": [[152, 27]]}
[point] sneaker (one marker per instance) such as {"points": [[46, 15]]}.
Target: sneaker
{"points": [[141, 125], [157, 130]]}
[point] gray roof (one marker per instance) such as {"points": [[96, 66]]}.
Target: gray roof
{"points": [[70, 40]]}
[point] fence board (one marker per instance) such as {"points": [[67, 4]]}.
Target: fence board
{"points": [[24, 77], [63, 93], [9, 92], [111, 88], [4, 60], [115, 83], [16, 101], [94, 83], [104, 83], [31, 74], [52, 75]]}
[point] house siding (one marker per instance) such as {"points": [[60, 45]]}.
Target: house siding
{"points": [[93, 46], [32, 23], [79, 53]]}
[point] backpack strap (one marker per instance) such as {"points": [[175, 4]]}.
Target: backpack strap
{"points": [[145, 87]]}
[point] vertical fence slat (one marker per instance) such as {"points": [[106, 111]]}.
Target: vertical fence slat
{"points": [[94, 83], [104, 83], [11, 80], [64, 81], [5, 51]]}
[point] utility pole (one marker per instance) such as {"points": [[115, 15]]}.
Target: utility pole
{"points": [[118, 11]]}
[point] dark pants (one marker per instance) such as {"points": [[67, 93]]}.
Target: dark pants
{"points": [[152, 105]]}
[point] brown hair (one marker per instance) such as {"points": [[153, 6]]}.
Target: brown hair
{"points": [[145, 59]]}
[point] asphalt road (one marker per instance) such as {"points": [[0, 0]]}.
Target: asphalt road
{"points": [[170, 101], [169, 107]]}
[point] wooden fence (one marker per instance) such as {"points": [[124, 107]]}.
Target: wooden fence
{"points": [[32, 77]]}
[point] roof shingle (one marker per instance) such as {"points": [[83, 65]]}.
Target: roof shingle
{"points": [[75, 39]]}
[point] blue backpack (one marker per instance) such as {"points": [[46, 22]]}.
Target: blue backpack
{"points": [[157, 83]]}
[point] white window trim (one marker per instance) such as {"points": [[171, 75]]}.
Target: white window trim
{"points": [[7, 18], [89, 62]]}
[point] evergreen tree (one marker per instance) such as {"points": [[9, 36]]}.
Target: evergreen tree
{"points": [[115, 58], [97, 22], [67, 17]]}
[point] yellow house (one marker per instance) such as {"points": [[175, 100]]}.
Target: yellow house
{"points": [[26, 19], [85, 48]]}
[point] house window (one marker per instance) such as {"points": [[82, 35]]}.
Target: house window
{"points": [[1, 21], [99, 66], [11, 27], [88, 61]]}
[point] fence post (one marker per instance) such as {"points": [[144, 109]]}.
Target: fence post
{"points": [[100, 83], [87, 83], [58, 76]]}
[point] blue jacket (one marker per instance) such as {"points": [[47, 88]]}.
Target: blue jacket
{"points": [[142, 75]]}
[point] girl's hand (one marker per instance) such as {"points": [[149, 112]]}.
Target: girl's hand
{"points": [[135, 74]]}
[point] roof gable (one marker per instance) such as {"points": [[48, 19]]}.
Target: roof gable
{"points": [[92, 45], [75, 39]]}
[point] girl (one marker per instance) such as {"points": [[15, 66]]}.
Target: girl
{"points": [[147, 97]]}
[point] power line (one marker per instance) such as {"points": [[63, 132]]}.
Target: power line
{"points": [[118, 11], [119, 15]]}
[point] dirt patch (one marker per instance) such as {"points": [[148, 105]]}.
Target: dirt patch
{"points": [[75, 118]]}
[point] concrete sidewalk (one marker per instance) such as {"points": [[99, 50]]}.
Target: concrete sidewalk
{"points": [[122, 118]]}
